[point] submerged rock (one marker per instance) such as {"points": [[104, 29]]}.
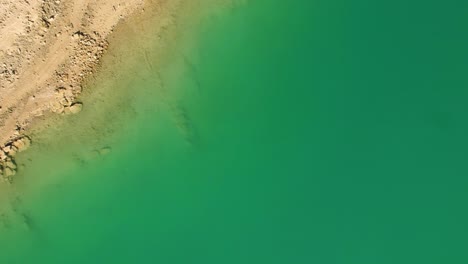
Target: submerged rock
{"points": [[8, 172], [76, 108], [8, 166], [104, 151], [3, 155], [22, 144], [73, 109], [7, 149], [10, 150]]}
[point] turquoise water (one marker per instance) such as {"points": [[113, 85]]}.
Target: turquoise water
{"points": [[293, 132]]}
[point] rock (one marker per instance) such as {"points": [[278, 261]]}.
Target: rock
{"points": [[3, 155], [104, 151], [13, 150], [27, 142], [22, 144], [10, 164], [76, 108], [56, 107], [64, 101], [9, 172], [7, 149], [19, 144]]}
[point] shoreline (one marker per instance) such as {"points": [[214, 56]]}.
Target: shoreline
{"points": [[83, 74], [47, 51], [141, 45]]}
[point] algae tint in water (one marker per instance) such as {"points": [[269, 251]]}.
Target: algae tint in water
{"points": [[291, 132]]}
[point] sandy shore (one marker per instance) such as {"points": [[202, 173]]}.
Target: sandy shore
{"points": [[47, 48], [50, 48], [85, 54]]}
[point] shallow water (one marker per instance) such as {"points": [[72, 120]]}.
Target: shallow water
{"points": [[286, 132]]}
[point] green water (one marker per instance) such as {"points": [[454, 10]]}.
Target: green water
{"points": [[293, 132]]}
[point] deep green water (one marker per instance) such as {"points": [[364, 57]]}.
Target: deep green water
{"points": [[294, 132]]}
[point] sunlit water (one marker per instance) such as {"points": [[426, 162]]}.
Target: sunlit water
{"points": [[287, 132]]}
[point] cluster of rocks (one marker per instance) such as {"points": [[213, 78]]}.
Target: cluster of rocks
{"points": [[50, 9], [65, 102], [8, 73], [71, 108], [89, 50], [7, 153], [82, 62]]}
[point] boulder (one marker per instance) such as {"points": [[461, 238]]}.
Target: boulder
{"points": [[10, 164], [3, 155], [76, 108], [22, 143], [7, 149], [104, 151], [12, 150], [9, 172], [56, 107], [19, 144]]}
